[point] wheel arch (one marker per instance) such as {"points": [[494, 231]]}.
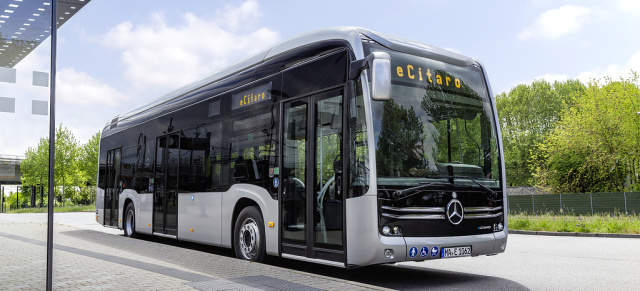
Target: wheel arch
{"points": [[241, 204], [237, 198], [127, 197]]}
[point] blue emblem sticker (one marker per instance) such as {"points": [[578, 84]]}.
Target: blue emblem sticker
{"points": [[424, 251], [191, 197], [276, 182], [413, 252], [434, 251]]}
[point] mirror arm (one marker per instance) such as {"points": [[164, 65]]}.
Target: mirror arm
{"points": [[358, 66]]}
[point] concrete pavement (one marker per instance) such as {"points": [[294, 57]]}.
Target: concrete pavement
{"points": [[88, 256]]}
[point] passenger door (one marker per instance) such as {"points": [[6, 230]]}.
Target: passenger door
{"points": [[113, 187], [312, 192], [165, 195]]}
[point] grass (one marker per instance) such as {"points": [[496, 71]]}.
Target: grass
{"points": [[599, 223], [76, 208]]}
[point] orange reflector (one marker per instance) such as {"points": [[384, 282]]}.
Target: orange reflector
{"points": [[149, 224], [191, 230], [271, 224], [120, 220]]}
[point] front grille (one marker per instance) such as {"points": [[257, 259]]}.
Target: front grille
{"points": [[482, 212], [438, 212], [413, 212], [423, 213]]}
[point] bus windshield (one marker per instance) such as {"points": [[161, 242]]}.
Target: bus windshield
{"points": [[438, 126]]}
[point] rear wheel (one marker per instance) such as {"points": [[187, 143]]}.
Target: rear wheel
{"points": [[130, 221], [248, 235]]}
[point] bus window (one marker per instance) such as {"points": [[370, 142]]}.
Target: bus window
{"points": [[359, 155], [194, 147]]}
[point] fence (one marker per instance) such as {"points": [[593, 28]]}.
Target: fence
{"points": [[582, 203]]}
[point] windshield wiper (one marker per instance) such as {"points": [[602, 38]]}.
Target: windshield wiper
{"points": [[398, 194], [487, 191]]}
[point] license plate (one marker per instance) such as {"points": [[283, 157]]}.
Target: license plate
{"points": [[456, 252]]}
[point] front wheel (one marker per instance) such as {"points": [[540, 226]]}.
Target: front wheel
{"points": [[248, 235], [130, 221]]}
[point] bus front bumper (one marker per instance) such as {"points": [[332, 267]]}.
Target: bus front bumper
{"points": [[401, 249]]}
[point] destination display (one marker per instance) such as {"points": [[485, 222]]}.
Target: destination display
{"points": [[431, 74], [251, 96]]}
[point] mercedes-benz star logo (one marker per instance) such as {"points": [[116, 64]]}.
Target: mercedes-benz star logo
{"points": [[455, 212]]}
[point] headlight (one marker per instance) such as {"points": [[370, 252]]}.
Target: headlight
{"points": [[391, 230], [386, 230]]}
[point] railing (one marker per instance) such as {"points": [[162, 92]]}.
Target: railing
{"points": [[578, 203]]}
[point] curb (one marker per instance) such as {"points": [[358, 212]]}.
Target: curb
{"points": [[577, 234]]}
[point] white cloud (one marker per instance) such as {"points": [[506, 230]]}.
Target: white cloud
{"points": [[164, 56], [555, 23], [615, 72], [79, 88], [632, 6]]}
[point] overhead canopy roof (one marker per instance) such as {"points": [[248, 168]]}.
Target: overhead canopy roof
{"points": [[24, 24]]}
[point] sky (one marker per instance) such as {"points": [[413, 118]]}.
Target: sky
{"points": [[117, 55]]}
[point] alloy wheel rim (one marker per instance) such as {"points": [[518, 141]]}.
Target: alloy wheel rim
{"points": [[249, 238]]}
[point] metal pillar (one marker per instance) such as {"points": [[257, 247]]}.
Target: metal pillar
{"points": [[52, 133]]}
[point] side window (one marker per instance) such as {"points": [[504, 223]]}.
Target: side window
{"points": [[143, 164], [359, 150], [253, 147], [215, 156], [102, 170], [128, 168], [195, 175]]}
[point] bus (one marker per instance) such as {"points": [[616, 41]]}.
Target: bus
{"points": [[342, 146]]}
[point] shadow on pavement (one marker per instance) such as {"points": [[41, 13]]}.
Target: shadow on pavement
{"points": [[405, 277], [400, 277]]}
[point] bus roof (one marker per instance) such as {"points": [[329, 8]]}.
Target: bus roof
{"points": [[352, 35]]}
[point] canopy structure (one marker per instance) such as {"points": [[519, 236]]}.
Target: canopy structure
{"points": [[25, 24]]}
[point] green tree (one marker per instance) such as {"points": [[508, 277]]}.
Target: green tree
{"points": [[596, 145], [527, 114], [67, 174], [75, 165], [88, 160], [10, 201], [35, 166], [88, 165]]}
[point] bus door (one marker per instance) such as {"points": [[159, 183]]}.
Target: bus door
{"points": [[165, 194], [312, 193], [113, 187]]}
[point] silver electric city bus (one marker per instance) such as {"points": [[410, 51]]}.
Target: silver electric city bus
{"points": [[341, 146]]}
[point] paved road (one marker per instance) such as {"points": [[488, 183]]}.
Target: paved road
{"points": [[531, 262]]}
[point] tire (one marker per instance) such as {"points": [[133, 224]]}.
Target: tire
{"points": [[129, 224], [248, 235]]}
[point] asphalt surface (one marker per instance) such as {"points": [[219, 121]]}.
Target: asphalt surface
{"points": [[531, 262]]}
